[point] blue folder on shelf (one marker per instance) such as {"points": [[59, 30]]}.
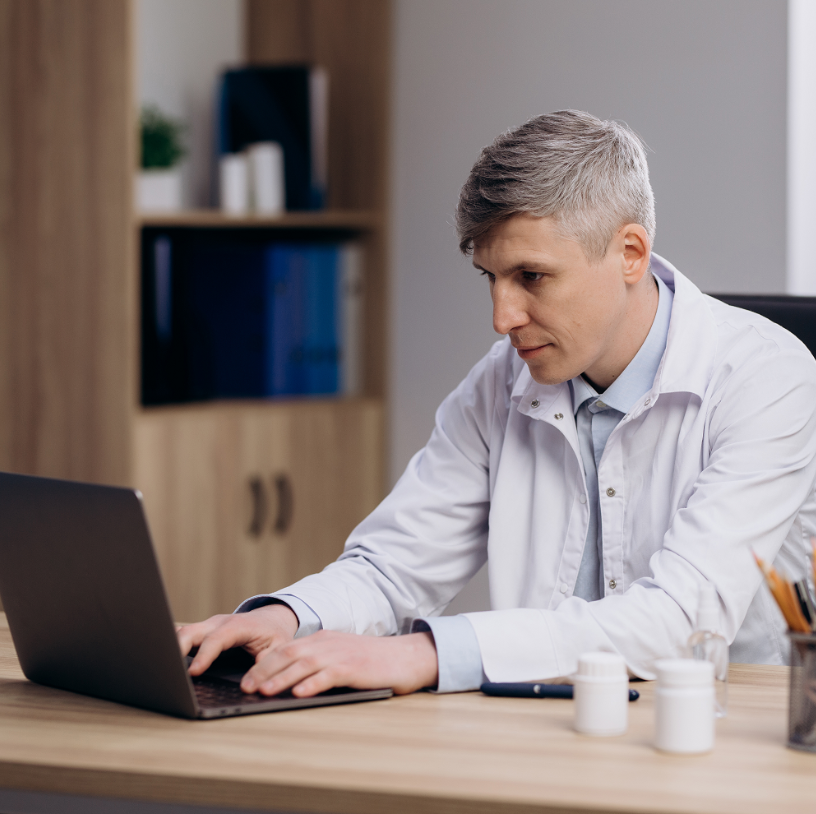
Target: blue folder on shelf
{"points": [[260, 319], [303, 331], [285, 276], [322, 330]]}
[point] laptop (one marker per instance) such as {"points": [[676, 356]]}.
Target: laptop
{"points": [[88, 612]]}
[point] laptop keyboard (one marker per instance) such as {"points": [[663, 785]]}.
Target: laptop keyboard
{"points": [[218, 692], [213, 693]]}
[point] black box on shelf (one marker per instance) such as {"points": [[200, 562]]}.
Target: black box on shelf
{"points": [[287, 104]]}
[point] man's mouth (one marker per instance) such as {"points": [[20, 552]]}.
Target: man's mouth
{"points": [[527, 352]]}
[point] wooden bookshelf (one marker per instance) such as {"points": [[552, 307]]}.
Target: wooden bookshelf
{"points": [[68, 344], [69, 299], [212, 218]]}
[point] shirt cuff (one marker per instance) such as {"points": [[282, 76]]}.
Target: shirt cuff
{"points": [[457, 652], [308, 621]]}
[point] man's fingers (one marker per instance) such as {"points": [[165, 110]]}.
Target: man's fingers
{"points": [[258, 631], [315, 684], [265, 671], [287, 678], [212, 637], [190, 636], [213, 645], [283, 667]]}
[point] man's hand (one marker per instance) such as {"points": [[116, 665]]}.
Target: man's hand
{"points": [[329, 659], [314, 663], [257, 631]]}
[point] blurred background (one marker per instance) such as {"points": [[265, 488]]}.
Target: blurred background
{"points": [[721, 91], [709, 86]]}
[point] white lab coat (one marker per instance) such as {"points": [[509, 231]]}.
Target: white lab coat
{"points": [[717, 460]]}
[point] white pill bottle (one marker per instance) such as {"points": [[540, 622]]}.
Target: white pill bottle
{"points": [[684, 706], [601, 695]]}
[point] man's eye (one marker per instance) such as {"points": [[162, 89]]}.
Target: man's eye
{"points": [[532, 276], [490, 277]]}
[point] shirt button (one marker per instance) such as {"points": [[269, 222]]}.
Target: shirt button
{"points": [[563, 587], [647, 402], [535, 403], [582, 498], [610, 492], [613, 583], [559, 416]]}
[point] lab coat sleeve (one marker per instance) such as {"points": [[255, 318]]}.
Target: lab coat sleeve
{"points": [[308, 621], [759, 469], [425, 541]]}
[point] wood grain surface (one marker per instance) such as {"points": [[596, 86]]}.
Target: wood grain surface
{"points": [[326, 219], [67, 251], [195, 463], [453, 754]]}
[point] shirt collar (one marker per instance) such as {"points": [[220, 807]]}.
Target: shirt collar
{"points": [[639, 375]]}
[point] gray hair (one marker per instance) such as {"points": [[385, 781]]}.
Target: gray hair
{"points": [[590, 175]]}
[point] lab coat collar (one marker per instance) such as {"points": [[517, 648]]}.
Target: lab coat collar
{"points": [[527, 390], [688, 363]]}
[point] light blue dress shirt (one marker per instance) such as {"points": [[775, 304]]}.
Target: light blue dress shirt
{"points": [[458, 654], [595, 418]]}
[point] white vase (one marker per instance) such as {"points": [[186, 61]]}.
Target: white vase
{"points": [[267, 189], [233, 186], [158, 191]]}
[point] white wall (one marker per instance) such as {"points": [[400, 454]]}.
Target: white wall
{"points": [[801, 146], [704, 83], [182, 46]]}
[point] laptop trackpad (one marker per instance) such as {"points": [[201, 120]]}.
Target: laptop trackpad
{"points": [[229, 666]]}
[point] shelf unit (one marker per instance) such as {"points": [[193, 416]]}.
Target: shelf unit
{"points": [[241, 496], [350, 220]]}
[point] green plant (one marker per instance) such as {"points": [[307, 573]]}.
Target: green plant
{"points": [[162, 144]]}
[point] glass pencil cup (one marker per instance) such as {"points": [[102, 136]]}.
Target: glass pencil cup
{"points": [[802, 710]]}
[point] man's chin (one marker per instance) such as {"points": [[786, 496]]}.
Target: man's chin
{"points": [[543, 374]]}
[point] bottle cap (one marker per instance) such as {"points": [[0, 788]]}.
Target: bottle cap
{"points": [[684, 673], [601, 665], [708, 609]]}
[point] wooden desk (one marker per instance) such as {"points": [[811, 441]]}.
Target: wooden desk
{"points": [[455, 754]]}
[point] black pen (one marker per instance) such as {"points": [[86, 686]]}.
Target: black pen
{"points": [[527, 690], [802, 592]]}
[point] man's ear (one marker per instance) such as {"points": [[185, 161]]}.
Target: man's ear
{"points": [[636, 249]]}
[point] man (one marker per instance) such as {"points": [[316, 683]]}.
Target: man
{"points": [[628, 440]]}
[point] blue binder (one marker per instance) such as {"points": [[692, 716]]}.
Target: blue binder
{"points": [[286, 329], [322, 329], [302, 326]]}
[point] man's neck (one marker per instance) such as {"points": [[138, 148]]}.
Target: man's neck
{"points": [[596, 387], [640, 318]]}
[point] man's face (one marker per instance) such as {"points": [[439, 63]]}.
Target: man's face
{"points": [[564, 315]]}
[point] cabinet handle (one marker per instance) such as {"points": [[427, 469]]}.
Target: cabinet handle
{"points": [[286, 507], [260, 506]]}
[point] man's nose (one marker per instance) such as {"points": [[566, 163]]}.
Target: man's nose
{"points": [[509, 313]]}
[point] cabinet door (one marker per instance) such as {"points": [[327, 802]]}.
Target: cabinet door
{"points": [[247, 499]]}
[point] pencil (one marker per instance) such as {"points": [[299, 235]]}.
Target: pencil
{"points": [[782, 592], [813, 559]]}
